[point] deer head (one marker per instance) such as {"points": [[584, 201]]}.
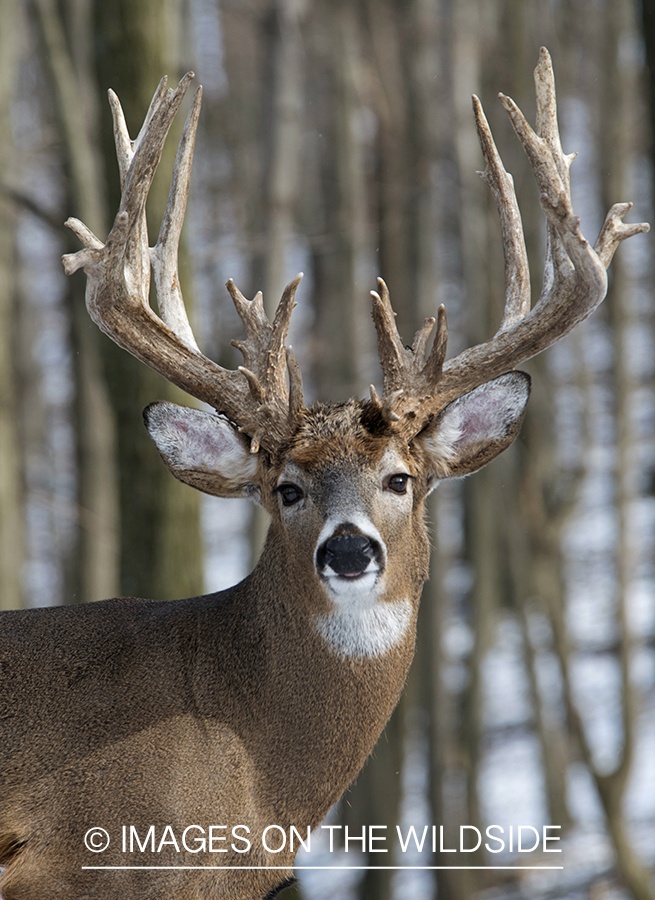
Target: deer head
{"points": [[344, 484]]}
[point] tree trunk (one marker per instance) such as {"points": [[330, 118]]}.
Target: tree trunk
{"points": [[161, 547], [11, 478], [92, 567], [618, 118], [344, 338], [283, 90]]}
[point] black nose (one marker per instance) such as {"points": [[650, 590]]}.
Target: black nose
{"points": [[348, 555]]}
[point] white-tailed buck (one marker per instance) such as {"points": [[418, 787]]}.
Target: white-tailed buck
{"points": [[185, 729]]}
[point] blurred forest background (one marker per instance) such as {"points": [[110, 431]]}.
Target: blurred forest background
{"points": [[337, 138]]}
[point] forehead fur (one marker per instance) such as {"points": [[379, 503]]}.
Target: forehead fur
{"points": [[327, 432]]}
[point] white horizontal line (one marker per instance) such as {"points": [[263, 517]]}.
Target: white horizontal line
{"points": [[325, 868]]}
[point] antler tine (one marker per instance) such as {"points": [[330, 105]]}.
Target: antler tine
{"points": [[421, 337], [87, 237], [296, 401], [258, 329], [164, 256], [157, 98], [137, 251], [122, 140], [538, 151], [546, 115], [614, 231], [390, 346], [433, 369], [536, 145], [501, 183], [277, 357]]}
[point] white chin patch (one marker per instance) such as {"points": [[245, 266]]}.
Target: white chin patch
{"points": [[364, 627], [345, 589]]}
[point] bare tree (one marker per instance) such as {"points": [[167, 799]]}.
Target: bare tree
{"points": [[11, 481], [93, 561], [160, 549]]}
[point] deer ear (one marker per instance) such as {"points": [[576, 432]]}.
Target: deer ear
{"points": [[475, 428], [203, 450]]}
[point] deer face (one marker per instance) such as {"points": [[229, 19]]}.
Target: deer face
{"points": [[347, 498], [351, 519], [351, 513]]}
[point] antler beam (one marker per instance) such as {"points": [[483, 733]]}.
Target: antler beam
{"points": [[255, 397], [575, 281]]}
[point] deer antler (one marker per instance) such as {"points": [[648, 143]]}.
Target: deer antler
{"points": [[575, 281], [255, 397]]}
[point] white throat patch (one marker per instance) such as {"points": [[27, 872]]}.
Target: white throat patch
{"points": [[360, 631]]}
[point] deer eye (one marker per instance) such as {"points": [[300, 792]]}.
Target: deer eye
{"points": [[398, 483], [290, 493]]}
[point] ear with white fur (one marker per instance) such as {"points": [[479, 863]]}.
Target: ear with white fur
{"points": [[203, 450], [475, 428]]}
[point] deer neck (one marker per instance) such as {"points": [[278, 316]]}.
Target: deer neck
{"points": [[321, 708]]}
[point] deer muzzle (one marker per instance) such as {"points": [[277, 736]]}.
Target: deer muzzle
{"points": [[349, 554]]}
